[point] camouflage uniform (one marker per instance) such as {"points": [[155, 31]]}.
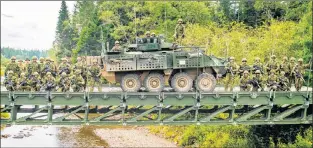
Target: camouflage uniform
{"points": [[64, 67], [243, 67], [48, 67], [35, 82], [257, 65], [33, 67], [48, 82], [272, 81], [283, 82], [292, 76], [77, 81], [231, 73], [272, 65], [82, 68], [12, 66], [299, 71], [41, 65], [23, 83], [179, 32], [10, 81], [257, 81], [94, 74], [63, 83], [21, 66], [244, 82], [148, 38], [284, 66], [117, 46], [54, 67]]}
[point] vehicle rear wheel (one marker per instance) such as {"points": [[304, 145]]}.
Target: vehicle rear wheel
{"points": [[154, 82], [205, 82], [181, 82], [130, 83]]}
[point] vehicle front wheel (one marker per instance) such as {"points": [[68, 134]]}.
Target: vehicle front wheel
{"points": [[131, 83]]}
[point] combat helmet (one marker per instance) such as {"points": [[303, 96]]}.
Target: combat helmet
{"points": [[35, 73], [300, 60], [63, 74], [34, 58], [117, 42], [148, 32], [245, 72], [257, 58], [41, 59], [282, 73], [10, 72], [48, 73], [232, 58], [77, 71], [273, 56], [180, 20], [285, 58], [94, 61], [257, 72], [13, 58], [292, 59], [22, 74], [244, 60], [48, 59], [64, 59], [20, 60]]}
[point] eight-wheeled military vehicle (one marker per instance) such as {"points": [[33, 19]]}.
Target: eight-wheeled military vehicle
{"points": [[153, 63]]}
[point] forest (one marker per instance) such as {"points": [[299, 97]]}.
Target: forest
{"points": [[225, 28]]}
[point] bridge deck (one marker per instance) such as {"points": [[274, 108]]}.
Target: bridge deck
{"points": [[157, 108]]}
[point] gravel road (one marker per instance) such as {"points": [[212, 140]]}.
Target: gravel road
{"points": [[134, 137]]}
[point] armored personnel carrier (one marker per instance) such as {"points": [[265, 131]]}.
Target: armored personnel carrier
{"points": [[153, 63]]}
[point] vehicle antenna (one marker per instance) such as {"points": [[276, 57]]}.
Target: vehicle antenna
{"points": [[135, 24], [308, 81], [165, 20]]}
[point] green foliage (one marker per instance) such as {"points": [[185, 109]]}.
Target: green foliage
{"points": [[205, 136], [8, 52]]}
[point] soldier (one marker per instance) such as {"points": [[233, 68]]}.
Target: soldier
{"points": [[64, 67], [153, 35], [48, 67], [49, 82], [35, 82], [299, 71], [54, 67], [284, 66], [283, 82], [41, 65], [27, 61], [231, 68], [272, 81], [21, 65], [257, 65], [272, 65], [257, 81], [23, 83], [243, 67], [33, 67], [94, 76], [291, 65], [179, 31], [116, 47], [81, 66], [148, 38], [77, 81], [10, 81], [244, 82], [63, 83], [12, 66]]}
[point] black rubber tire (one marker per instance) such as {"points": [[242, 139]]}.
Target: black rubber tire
{"points": [[135, 80], [155, 76], [210, 82], [181, 77]]}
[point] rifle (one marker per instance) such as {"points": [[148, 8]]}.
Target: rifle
{"points": [[254, 83], [65, 69], [49, 86], [63, 83], [9, 84], [230, 70], [23, 83]]}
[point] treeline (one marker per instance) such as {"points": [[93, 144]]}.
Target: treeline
{"points": [[8, 52], [225, 28]]}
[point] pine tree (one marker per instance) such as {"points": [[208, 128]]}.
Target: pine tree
{"points": [[63, 15]]}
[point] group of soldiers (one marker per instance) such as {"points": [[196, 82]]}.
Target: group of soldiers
{"points": [[46, 76], [276, 76]]}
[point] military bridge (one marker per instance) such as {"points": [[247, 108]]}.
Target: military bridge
{"points": [[165, 108]]}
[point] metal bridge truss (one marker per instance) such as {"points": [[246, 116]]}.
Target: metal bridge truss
{"points": [[165, 108]]}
